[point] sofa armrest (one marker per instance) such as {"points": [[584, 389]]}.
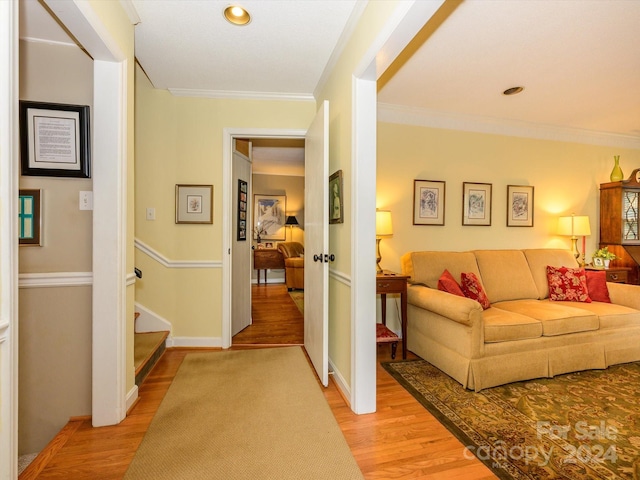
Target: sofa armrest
{"points": [[624, 294], [460, 309]]}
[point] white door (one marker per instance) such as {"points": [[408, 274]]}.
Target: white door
{"points": [[241, 249], [316, 225]]}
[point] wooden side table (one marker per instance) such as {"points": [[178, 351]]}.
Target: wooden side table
{"points": [[615, 274], [389, 282], [266, 258]]}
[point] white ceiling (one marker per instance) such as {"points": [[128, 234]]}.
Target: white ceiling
{"points": [[577, 59]]}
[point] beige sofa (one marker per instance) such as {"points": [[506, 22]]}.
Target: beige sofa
{"points": [[523, 335]]}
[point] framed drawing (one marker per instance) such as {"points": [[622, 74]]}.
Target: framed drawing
{"points": [[30, 218], [269, 216], [519, 206], [598, 262], [428, 202], [476, 203], [336, 207], [54, 140], [194, 203], [242, 211]]}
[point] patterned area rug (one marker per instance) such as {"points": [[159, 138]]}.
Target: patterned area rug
{"points": [[583, 425], [298, 298]]}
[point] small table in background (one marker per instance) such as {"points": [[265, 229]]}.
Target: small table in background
{"points": [[266, 258], [389, 282], [614, 274]]}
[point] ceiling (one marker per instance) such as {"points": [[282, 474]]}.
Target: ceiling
{"points": [[577, 60]]}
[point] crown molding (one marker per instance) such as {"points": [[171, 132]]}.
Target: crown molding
{"points": [[238, 95], [423, 117], [158, 257], [131, 11]]}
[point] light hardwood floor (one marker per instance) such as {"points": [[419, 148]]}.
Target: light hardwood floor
{"points": [[401, 440]]}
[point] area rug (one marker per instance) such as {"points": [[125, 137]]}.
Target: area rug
{"points": [[298, 298], [244, 414], [583, 425]]}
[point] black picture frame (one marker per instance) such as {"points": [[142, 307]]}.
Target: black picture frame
{"points": [[242, 211], [54, 140]]}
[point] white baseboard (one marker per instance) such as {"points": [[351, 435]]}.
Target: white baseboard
{"points": [[342, 384], [149, 321], [132, 396], [194, 342]]}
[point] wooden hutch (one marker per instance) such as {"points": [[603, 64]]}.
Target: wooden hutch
{"points": [[619, 222]]}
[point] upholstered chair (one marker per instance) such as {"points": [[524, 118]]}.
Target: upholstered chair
{"points": [[293, 254]]}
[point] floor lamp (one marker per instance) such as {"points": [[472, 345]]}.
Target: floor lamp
{"points": [[291, 222], [384, 228]]}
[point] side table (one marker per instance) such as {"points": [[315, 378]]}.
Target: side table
{"points": [[614, 274], [389, 282], [266, 258]]}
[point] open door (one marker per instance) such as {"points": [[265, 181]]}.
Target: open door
{"points": [[241, 248], [316, 267]]}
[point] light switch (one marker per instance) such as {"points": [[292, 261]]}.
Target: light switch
{"points": [[151, 213], [86, 200]]}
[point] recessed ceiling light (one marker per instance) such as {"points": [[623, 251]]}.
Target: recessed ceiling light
{"points": [[237, 15], [513, 90]]}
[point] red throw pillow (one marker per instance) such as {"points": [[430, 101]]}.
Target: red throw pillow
{"points": [[597, 286], [567, 284], [472, 289], [448, 284]]}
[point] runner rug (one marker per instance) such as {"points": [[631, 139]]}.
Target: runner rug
{"points": [[244, 414], [583, 425]]}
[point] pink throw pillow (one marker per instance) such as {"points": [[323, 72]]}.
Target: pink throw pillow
{"points": [[597, 286], [472, 289], [448, 284], [567, 284]]}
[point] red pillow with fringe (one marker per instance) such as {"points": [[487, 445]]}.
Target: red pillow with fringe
{"points": [[567, 284], [472, 289]]}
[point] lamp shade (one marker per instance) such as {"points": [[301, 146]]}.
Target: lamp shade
{"points": [[291, 220], [384, 227], [574, 226]]}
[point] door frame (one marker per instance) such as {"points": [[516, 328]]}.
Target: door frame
{"points": [[228, 134]]}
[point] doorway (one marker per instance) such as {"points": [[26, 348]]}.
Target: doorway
{"points": [[275, 171]]}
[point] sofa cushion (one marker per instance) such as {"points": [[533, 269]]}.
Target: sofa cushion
{"points": [[558, 318], [539, 258], [611, 315], [427, 266], [448, 284], [472, 289], [505, 275], [567, 284], [597, 286], [504, 326]]}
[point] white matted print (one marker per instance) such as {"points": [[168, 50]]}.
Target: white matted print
{"points": [[476, 203], [428, 202], [194, 203], [519, 206]]}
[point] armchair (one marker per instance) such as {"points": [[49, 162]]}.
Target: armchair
{"points": [[293, 254]]}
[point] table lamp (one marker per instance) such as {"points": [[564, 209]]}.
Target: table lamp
{"points": [[575, 226], [291, 222], [383, 229]]}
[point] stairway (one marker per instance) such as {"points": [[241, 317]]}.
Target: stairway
{"points": [[148, 347]]}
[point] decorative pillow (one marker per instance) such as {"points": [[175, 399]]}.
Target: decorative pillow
{"points": [[567, 284], [448, 284], [597, 286], [472, 289]]}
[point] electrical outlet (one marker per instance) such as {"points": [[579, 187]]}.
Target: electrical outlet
{"points": [[151, 213], [86, 200]]}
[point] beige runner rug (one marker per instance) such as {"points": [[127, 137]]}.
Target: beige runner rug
{"points": [[244, 414]]}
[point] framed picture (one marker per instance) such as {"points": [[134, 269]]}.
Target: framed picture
{"points": [[336, 208], [598, 262], [269, 217], [519, 206], [428, 202], [242, 211], [268, 244], [194, 203], [476, 203], [30, 218], [54, 140]]}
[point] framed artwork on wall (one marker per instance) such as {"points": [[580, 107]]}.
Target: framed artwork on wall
{"points": [[519, 206], [242, 211], [269, 217], [336, 207], [194, 203], [54, 140], [30, 218], [428, 202], [476, 203]]}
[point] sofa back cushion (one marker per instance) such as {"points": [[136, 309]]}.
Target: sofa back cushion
{"points": [[427, 266], [506, 275], [539, 258]]}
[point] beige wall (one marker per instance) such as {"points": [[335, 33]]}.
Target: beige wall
{"points": [[55, 323], [179, 140], [565, 175]]}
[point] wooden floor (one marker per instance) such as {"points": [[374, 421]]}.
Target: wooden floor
{"points": [[401, 440]]}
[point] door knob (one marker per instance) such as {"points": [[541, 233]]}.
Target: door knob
{"points": [[317, 258], [329, 258]]}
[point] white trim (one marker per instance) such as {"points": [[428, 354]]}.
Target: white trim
{"points": [[339, 379], [150, 321], [55, 279], [227, 210], [132, 396], [130, 9], [422, 117], [164, 261], [48, 42], [229, 94], [195, 342], [340, 277], [131, 279]]}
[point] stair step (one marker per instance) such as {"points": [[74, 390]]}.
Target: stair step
{"points": [[148, 348]]}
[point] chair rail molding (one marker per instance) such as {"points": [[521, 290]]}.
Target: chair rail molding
{"points": [[166, 262]]}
